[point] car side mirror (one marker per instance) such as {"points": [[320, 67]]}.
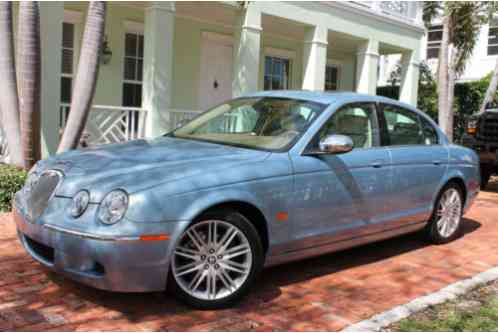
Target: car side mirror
{"points": [[335, 144]]}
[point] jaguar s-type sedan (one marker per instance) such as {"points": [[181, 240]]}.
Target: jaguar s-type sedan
{"points": [[260, 180]]}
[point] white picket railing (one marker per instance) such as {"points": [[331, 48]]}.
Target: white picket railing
{"points": [[4, 151], [109, 124], [179, 116]]}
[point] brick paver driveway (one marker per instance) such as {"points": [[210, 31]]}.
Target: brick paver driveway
{"points": [[325, 293]]}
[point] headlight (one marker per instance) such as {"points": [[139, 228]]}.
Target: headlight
{"points": [[79, 204], [31, 179], [113, 207]]}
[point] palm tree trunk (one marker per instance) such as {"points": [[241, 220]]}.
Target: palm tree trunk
{"points": [[86, 77], [451, 92], [30, 77], [491, 91], [9, 104], [443, 77]]}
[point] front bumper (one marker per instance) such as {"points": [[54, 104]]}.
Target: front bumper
{"points": [[487, 151], [114, 263]]}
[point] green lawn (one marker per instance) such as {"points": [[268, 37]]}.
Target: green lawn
{"points": [[476, 311]]}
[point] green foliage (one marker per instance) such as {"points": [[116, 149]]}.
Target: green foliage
{"points": [[449, 318], [11, 181]]}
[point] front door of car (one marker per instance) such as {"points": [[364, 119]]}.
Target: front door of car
{"points": [[419, 163], [340, 196]]}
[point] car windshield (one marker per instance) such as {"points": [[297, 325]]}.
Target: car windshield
{"points": [[261, 123]]}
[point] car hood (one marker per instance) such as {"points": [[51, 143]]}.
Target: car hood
{"points": [[141, 164]]}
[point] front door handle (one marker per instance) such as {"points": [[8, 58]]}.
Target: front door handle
{"points": [[376, 164], [437, 162]]}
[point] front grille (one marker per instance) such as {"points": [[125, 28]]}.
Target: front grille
{"points": [[36, 200], [489, 127]]}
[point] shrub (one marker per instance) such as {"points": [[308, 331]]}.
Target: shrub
{"points": [[11, 181]]}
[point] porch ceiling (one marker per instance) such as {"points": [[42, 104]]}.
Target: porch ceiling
{"points": [[343, 43]]}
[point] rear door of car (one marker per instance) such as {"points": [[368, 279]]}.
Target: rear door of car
{"points": [[419, 162]]}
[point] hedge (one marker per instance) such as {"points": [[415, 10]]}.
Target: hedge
{"points": [[11, 181]]}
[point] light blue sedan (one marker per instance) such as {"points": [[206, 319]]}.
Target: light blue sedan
{"points": [[260, 180]]}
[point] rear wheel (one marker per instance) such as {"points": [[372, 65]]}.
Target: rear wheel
{"points": [[485, 176], [446, 221], [216, 260]]}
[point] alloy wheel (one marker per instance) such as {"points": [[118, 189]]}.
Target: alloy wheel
{"points": [[449, 212], [212, 260]]}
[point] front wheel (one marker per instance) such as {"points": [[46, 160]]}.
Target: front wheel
{"points": [[216, 260], [446, 221]]}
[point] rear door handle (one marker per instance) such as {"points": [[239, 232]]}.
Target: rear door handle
{"points": [[437, 162]]}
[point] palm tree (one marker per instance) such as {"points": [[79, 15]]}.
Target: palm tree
{"points": [[29, 87], [491, 91], [461, 24], [86, 77], [9, 105]]}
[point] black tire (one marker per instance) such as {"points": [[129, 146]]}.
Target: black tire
{"points": [[243, 224], [432, 231], [485, 176]]}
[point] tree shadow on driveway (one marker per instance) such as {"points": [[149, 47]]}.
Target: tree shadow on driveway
{"points": [[272, 284]]}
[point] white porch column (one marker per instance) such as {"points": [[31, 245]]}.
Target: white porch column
{"points": [[51, 18], [366, 67], [247, 44], [408, 89], [158, 66], [315, 58]]}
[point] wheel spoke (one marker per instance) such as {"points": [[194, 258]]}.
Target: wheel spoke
{"points": [[197, 280], [194, 237], [211, 285], [242, 251], [233, 266], [187, 253], [188, 268], [227, 239], [226, 279]]}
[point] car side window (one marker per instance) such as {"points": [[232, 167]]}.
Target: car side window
{"points": [[402, 126], [355, 121], [430, 134]]}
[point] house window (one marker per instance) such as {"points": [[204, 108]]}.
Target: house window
{"points": [[493, 37], [67, 61], [67, 70], [434, 36], [331, 77], [133, 70], [277, 73]]}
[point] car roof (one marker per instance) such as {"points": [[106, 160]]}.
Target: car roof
{"points": [[326, 97]]}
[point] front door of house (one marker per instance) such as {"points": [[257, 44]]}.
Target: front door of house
{"points": [[216, 70]]}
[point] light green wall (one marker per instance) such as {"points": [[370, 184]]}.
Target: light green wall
{"points": [[187, 61], [109, 84]]}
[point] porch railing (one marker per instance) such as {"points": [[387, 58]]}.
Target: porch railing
{"points": [[178, 116], [4, 151], [109, 124]]}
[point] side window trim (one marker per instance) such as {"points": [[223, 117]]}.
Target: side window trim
{"points": [[384, 132], [376, 143], [421, 119]]}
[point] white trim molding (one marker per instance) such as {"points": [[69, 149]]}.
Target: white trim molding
{"points": [[134, 27], [280, 53], [73, 16], [217, 37]]}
